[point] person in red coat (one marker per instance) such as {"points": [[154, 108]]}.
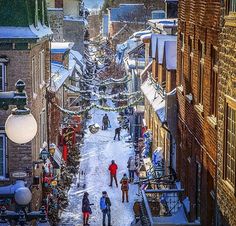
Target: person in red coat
{"points": [[113, 168]]}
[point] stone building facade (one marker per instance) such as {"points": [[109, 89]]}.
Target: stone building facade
{"points": [[24, 54], [197, 73], [226, 199], [67, 22]]}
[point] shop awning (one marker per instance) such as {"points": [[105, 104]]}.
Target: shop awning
{"points": [[57, 157], [155, 99]]}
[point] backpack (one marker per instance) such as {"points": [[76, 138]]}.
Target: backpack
{"points": [[125, 184], [103, 205]]}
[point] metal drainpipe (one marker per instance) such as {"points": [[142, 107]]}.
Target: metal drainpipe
{"points": [[165, 128]]}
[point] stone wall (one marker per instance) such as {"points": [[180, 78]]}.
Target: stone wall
{"points": [[227, 71], [74, 32], [94, 24], [21, 157], [197, 136], [55, 16]]}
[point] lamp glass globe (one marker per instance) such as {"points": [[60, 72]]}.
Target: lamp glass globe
{"points": [[21, 128], [23, 196]]}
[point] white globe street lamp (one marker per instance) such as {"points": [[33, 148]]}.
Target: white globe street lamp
{"points": [[23, 196], [21, 126]]}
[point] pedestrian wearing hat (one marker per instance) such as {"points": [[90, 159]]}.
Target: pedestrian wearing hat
{"points": [[86, 209], [125, 187], [105, 206]]}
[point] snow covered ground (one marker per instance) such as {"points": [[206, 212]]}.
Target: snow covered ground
{"points": [[97, 152]]}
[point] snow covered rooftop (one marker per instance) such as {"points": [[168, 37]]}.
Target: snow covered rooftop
{"points": [[140, 33], [59, 74], [127, 12], [161, 23], [30, 32], [157, 44], [171, 55], [61, 47], [155, 99]]}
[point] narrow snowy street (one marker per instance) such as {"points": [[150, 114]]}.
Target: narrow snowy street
{"points": [[96, 155]]}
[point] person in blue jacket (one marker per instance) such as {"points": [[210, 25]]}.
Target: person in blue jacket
{"points": [[105, 206]]}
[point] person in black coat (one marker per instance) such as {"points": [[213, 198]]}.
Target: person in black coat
{"points": [[86, 209], [117, 132]]}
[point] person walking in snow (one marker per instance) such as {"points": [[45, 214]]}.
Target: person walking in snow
{"points": [[105, 206], [105, 121], [125, 188], [113, 168], [86, 209], [131, 165], [117, 133]]}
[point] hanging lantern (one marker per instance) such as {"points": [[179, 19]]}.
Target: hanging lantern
{"points": [[44, 154]]}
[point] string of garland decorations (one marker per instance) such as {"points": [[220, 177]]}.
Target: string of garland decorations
{"points": [[101, 96], [93, 105]]}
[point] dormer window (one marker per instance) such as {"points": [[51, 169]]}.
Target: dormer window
{"points": [[36, 13]]}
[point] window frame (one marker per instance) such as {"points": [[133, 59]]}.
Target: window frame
{"points": [[4, 75], [228, 4], [229, 102], [42, 67], [181, 72], [43, 127], [190, 61], [34, 76], [4, 176], [214, 80], [201, 71]]}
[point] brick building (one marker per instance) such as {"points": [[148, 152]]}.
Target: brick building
{"points": [[197, 72], [24, 54], [226, 118]]}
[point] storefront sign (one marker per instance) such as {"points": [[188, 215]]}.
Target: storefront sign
{"points": [[19, 174]]}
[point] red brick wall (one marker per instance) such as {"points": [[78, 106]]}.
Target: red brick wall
{"points": [[197, 138]]}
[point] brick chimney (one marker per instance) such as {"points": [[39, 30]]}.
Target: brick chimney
{"points": [[58, 3]]}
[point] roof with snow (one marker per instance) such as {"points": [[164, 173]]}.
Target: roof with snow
{"points": [[59, 74], [61, 47], [19, 21], [127, 12], [161, 23], [171, 55], [157, 44], [155, 99]]}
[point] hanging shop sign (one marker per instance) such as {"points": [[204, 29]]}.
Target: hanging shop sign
{"points": [[19, 174], [54, 183]]}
